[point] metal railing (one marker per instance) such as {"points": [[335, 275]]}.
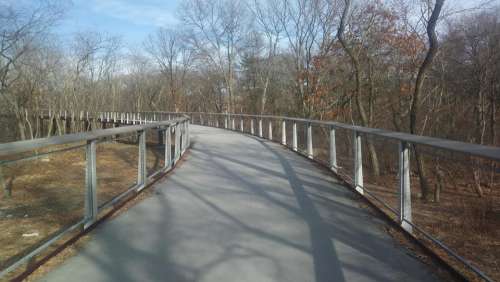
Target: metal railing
{"points": [[9, 154], [256, 125], [265, 126]]}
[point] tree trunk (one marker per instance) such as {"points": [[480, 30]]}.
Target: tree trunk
{"points": [[263, 99], [415, 101], [357, 94]]}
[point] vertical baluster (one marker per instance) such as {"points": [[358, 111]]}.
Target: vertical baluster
{"points": [[358, 163], [283, 132], [168, 147], [184, 141], [270, 129], [90, 183], [310, 153], [333, 150], [141, 166], [404, 186], [260, 129], [177, 142], [294, 136], [188, 140]]}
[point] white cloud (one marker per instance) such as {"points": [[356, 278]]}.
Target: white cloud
{"points": [[149, 13]]}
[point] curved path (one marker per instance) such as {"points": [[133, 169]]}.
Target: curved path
{"points": [[243, 209]]}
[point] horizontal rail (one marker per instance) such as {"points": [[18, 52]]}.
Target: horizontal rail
{"points": [[489, 152], [404, 212], [405, 140], [179, 126], [28, 145]]}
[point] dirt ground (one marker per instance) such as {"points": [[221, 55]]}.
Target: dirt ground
{"points": [[469, 225], [47, 193]]}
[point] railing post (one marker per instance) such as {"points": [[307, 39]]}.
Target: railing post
{"points": [[294, 136], [233, 127], [90, 183], [333, 150], [141, 167], [260, 129], [241, 124], [181, 137], [225, 122], [404, 186], [184, 136], [188, 138], [251, 127], [174, 131], [358, 163], [168, 148], [177, 142], [270, 129], [310, 153], [283, 132]]}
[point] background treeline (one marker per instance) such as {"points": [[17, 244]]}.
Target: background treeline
{"points": [[283, 57]]}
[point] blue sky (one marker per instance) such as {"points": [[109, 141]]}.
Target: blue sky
{"points": [[131, 19]]}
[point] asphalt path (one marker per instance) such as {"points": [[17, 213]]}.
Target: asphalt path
{"points": [[240, 208]]}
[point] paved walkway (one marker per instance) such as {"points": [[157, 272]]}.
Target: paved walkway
{"points": [[243, 209]]}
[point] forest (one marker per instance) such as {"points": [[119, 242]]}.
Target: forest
{"points": [[361, 63], [425, 67]]}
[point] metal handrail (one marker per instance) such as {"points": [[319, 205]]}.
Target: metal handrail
{"points": [[405, 141], [33, 144], [181, 142], [489, 152]]}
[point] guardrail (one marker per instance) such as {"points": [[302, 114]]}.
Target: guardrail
{"points": [[29, 150], [351, 171], [256, 125]]}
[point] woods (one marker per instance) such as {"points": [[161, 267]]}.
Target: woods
{"points": [[422, 67]]}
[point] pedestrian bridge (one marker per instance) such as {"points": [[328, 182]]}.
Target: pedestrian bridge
{"points": [[237, 207], [243, 209]]}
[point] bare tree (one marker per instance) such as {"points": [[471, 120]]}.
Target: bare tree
{"points": [[415, 99], [216, 31], [365, 118], [270, 30], [174, 59], [95, 57], [21, 28]]}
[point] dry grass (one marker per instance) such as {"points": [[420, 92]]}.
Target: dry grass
{"points": [[466, 223], [48, 193]]}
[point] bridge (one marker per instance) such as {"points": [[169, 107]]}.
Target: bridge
{"points": [[239, 206]]}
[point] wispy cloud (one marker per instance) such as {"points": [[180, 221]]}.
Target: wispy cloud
{"points": [[149, 13]]}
